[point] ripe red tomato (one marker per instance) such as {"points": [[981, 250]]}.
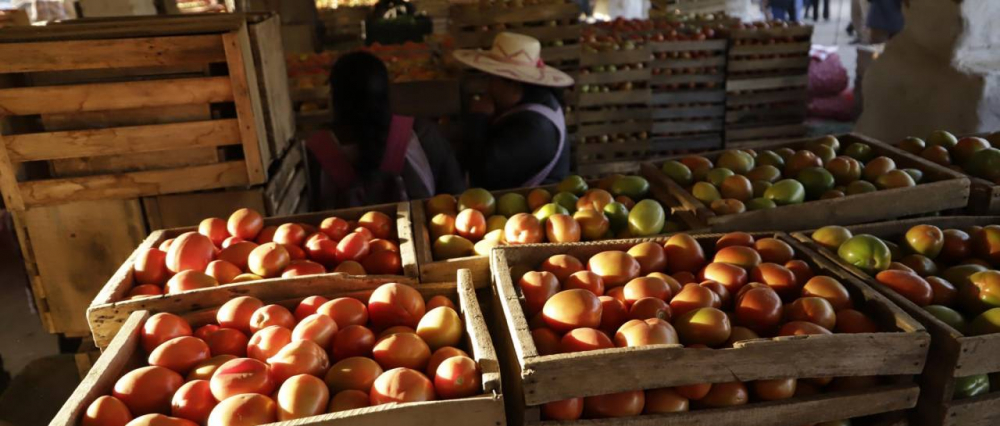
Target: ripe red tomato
{"points": [[345, 311], [646, 332], [643, 287], [353, 247], [439, 300], [351, 341], [380, 224], [650, 307], [193, 401], [147, 389], [150, 267], [571, 309], [236, 313], [537, 288], [269, 315], [302, 396], [335, 227], [228, 341], [584, 339], [238, 254], [816, 310], [562, 266], [355, 373], [664, 400], [457, 377], [143, 291], [322, 251], [401, 385], [244, 410], [106, 411], [383, 263], [180, 354], [395, 304], [309, 306], [215, 229], [622, 404], [289, 234], [348, 400], [190, 251], [852, 321], [223, 272], [245, 223], [440, 355], [613, 314], [187, 281], [298, 357], [546, 341], [266, 342], [402, 350], [162, 327], [567, 409], [725, 395], [317, 327]]}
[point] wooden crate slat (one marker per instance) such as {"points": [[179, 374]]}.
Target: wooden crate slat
{"points": [[613, 128], [690, 143], [483, 39], [759, 116], [687, 96], [771, 33], [618, 97], [556, 54], [248, 105], [769, 64], [609, 77], [689, 46], [114, 96], [689, 112], [604, 169], [765, 132], [687, 78], [617, 57], [714, 61], [605, 115], [13, 199], [775, 49], [611, 148], [135, 184], [766, 97], [687, 126], [117, 53], [269, 61], [733, 85], [122, 140]]}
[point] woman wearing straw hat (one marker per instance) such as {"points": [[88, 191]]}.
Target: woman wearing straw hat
{"points": [[516, 131]]}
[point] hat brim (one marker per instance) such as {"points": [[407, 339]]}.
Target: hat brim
{"points": [[542, 76]]}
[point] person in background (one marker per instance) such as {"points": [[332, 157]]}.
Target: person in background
{"points": [[516, 132], [397, 158], [814, 6], [885, 19], [782, 10]]}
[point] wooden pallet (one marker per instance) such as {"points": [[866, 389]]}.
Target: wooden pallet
{"points": [[555, 24], [123, 353], [952, 354], [945, 189], [72, 75], [687, 102], [109, 309], [432, 270], [537, 379]]}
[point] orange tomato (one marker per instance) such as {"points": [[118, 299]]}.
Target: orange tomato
{"points": [[335, 228], [193, 401], [180, 354], [162, 327], [470, 224], [241, 375], [355, 373], [215, 229], [585, 280], [269, 315], [773, 390], [664, 400], [302, 396], [816, 310], [383, 263], [395, 304], [779, 278], [300, 268], [440, 355], [616, 268], [537, 288], [584, 339], [267, 341], [674, 285], [351, 341], [187, 281], [684, 254], [694, 392], [348, 400], [244, 410], [731, 276], [622, 404], [650, 307], [268, 260], [189, 251], [401, 385], [106, 411], [801, 328], [562, 266], [439, 300], [908, 285], [145, 290], [774, 250], [150, 267], [298, 357], [380, 224], [652, 331], [725, 395], [571, 309], [238, 254], [830, 289], [692, 297], [266, 235], [567, 409], [230, 241], [651, 257], [440, 327], [734, 239], [402, 350], [245, 223], [562, 228], [523, 228], [223, 272], [228, 341], [457, 377], [759, 309], [160, 420], [322, 251], [614, 313], [205, 369], [345, 311], [147, 389], [316, 327], [642, 287], [350, 267], [706, 326], [289, 234], [852, 321]]}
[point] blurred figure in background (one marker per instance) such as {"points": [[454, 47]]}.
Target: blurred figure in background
{"points": [[398, 158], [516, 132], [783, 10], [885, 19]]}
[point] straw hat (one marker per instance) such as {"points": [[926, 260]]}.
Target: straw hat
{"points": [[516, 57]]}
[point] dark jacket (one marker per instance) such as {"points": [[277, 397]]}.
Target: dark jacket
{"points": [[506, 154]]}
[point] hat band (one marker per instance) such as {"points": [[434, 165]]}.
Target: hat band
{"points": [[498, 54]]}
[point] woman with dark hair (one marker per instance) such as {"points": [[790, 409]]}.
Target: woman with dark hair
{"points": [[517, 131], [399, 158]]}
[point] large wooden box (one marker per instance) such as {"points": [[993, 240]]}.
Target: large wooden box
{"points": [[952, 354]]}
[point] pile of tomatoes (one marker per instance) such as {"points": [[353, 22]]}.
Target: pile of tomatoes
{"points": [[325, 356], [242, 249], [674, 293]]}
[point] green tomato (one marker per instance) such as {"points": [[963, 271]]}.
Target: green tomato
{"points": [[866, 252], [970, 386]]}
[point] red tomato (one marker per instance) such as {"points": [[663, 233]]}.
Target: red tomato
{"points": [[190, 251], [228, 341], [302, 396], [266, 235], [187, 281], [803, 273], [395, 304], [664, 400], [852, 321], [725, 395], [241, 375], [145, 290], [180, 354], [223, 272], [150, 267], [816, 310], [160, 420], [643, 287], [537, 288], [651, 257], [238, 254], [546, 341], [584, 339], [268, 260], [162, 327], [613, 314], [351, 341], [301, 268], [193, 401], [348, 400], [205, 369], [317, 327], [571, 309], [345, 311], [650, 307], [364, 233], [439, 300], [298, 357], [380, 224], [383, 263], [269, 315], [622, 404], [335, 227], [567, 409], [773, 390], [309, 306], [230, 241], [236, 313], [322, 251], [244, 410], [147, 389], [402, 385], [457, 377], [652, 331], [353, 247], [692, 297], [267, 341], [289, 234], [779, 278], [562, 265], [245, 223], [402, 350], [350, 268], [379, 244], [801, 328], [440, 355], [759, 310], [215, 229], [734, 239], [106, 411], [357, 373]]}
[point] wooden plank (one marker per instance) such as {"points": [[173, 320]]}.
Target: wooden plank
{"points": [[256, 151], [689, 46], [120, 356], [687, 78], [623, 97], [620, 114], [604, 169], [791, 412], [121, 53], [183, 210], [281, 180], [982, 410], [107, 231], [134, 184], [765, 134], [629, 127], [276, 105], [293, 194], [767, 49], [609, 77], [8, 180], [666, 127], [689, 112], [687, 96], [31, 270], [772, 33], [478, 15], [122, 140], [640, 54], [671, 63], [114, 96], [407, 243], [769, 64], [793, 95], [766, 83], [899, 351]]}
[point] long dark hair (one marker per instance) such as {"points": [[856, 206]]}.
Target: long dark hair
{"points": [[359, 84]]}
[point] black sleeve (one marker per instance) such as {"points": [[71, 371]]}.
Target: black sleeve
{"points": [[448, 176], [506, 155]]}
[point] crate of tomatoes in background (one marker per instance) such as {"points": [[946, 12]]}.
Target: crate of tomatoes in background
{"points": [[247, 254], [805, 184], [977, 157], [943, 272], [698, 329], [381, 354], [458, 232]]}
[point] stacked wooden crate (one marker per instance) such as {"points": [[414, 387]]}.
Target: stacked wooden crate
{"points": [[666, 8], [688, 84], [344, 26], [104, 118], [612, 96], [767, 79]]}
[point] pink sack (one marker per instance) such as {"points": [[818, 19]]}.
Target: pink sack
{"points": [[839, 107], [827, 76]]}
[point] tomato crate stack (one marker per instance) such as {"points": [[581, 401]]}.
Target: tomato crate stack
{"points": [[128, 291], [612, 96], [103, 117], [437, 218], [688, 83], [808, 183], [959, 384], [668, 8], [766, 82], [715, 353], [124, 359]]}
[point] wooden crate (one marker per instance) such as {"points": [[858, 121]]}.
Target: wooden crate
{"points": [[487, 409], [771, 100], [533, 379], [952, 354], [344, 23], [662, 8], [435, 270], [757, 52], [688, 93], [945, 189], [555, 24], [109, 309], [119, 70]]}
